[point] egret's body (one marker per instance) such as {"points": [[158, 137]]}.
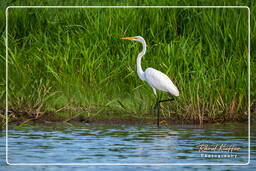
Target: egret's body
{"points": [[156, 79]]}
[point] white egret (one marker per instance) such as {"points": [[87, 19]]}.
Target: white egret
{"points": [[156, 79]]}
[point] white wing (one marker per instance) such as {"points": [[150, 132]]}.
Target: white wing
{"points": [[160, 81]]}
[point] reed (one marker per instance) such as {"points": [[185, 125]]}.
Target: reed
{"points": [[71, 62]]}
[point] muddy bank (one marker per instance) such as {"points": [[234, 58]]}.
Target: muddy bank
{"points": [[30, 117]]}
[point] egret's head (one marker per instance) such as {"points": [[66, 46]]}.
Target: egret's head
{"points": [[135, 38]]}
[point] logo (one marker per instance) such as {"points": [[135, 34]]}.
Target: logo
{"points": [[218, 150]]}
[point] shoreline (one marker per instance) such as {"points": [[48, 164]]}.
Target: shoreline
{"points": [[20, 118]]}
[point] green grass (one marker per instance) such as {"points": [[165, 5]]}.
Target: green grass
{"points": [[72, 61]]}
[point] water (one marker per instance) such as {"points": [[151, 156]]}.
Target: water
{"points": [[98, 143]]}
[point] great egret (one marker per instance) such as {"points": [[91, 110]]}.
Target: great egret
{"points": [[156, 79]]}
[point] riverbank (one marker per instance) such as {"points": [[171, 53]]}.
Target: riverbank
{"points": [[30, 117], [69, 65]]}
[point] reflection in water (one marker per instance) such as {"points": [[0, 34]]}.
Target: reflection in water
{"points": [[125, 144]]}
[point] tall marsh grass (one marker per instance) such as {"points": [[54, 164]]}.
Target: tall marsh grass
{"points": [[74, 59]]}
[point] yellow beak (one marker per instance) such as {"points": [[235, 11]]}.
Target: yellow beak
{"points": [[128, 38]]}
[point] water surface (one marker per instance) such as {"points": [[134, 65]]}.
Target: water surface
{"points": [[99, 143]]}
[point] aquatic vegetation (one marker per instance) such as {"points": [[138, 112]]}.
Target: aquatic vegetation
{"points": [[71, 62]]}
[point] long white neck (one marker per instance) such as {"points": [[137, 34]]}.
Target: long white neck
{"points": [[141, 54]]}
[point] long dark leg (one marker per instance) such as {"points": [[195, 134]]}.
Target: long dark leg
{"points": [[157, 106]]}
